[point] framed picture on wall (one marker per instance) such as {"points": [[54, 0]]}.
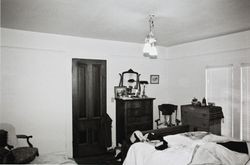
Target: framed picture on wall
{"points": [[154, 79], [120, 91]]}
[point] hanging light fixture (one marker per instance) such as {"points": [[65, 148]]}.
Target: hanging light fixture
{"points": [[149, 49]]}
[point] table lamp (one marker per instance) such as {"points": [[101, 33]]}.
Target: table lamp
{"points": [[143, 92]]}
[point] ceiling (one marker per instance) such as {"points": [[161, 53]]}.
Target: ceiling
{"points": [[176, 21]]}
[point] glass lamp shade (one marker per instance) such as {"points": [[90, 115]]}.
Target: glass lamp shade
{"points": [[153, 51], [149, 49], [146, 48], [152, 40]]}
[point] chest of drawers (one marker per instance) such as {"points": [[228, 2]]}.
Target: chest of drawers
{"points": [[202, 118], [133, 114]]}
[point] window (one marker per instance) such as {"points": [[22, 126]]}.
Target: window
{"points": [[219, 86], [245, 102]]}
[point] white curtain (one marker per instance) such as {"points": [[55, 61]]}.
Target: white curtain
{"points": [[219, 86], [245, 102]]}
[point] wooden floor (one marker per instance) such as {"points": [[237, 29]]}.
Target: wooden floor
{"points": [[105, 159]]}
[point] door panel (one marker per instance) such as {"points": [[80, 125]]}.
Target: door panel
{"points": [[82, 76], [89, 106], [96, 89]]}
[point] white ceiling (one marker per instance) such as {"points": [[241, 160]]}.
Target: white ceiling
{"points": [[177, 21]]}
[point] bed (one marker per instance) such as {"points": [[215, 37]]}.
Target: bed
{"points": [[188, 148]]}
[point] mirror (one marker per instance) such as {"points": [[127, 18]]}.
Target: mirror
{"points": [[130, 79]]}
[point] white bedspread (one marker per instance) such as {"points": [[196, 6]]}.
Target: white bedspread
{"points": [[212, 153], [185, 150]]}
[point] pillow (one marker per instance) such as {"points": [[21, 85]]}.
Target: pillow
{"points": [[216, 138], [178, 140], [196, 134]]}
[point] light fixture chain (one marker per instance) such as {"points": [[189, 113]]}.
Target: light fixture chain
{"points": [[151, 23]]}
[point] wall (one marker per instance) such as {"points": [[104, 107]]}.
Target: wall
{"points": [[186, 66], [1, 115], [36, 77], [0, 72], [1, 78], [36, 74]]}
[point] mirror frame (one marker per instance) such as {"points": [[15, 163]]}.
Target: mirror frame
{"points": [[130, 71]]}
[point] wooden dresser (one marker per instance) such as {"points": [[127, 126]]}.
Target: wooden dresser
{"points": [[202, 118], [133, 114]]}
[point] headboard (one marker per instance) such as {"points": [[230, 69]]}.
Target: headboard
{"points": [[168, 130]]}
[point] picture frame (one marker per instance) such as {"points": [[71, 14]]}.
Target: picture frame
{"points": [[120, 91], [154, 79]]}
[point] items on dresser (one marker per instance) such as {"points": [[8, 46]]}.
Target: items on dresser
{"points": [[196, 102], [143, 91], [202, 118], [133, 114]]}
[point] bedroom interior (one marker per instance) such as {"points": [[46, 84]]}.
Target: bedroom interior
{"points": [[62, 81]]}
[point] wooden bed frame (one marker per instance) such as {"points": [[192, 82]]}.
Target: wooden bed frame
{"points": [[168, 130], [159, 132]]}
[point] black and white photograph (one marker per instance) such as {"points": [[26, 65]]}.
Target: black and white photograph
{"points": [[135, 82], [120, 91]]}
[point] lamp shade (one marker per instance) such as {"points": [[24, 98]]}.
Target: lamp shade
{"points": [[153, 51], [152, 40], [146, 48]]}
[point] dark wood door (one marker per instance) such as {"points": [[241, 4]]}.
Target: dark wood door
{"points": [[89, 106]]}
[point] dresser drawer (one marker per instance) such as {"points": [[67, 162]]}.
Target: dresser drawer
{"points": [[138, 111], [195, 122], [202, 114], [136, 119], [134, 104]]}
